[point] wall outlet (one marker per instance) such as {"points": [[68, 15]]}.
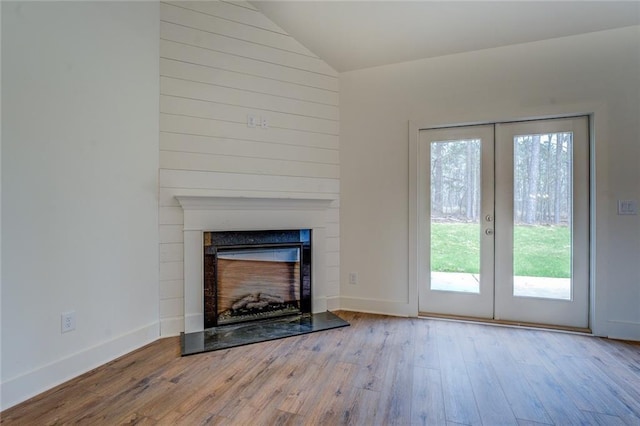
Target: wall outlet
{"points": [[67, 321], [264, 122], [627, 207], [353, 278], [252, 120]]}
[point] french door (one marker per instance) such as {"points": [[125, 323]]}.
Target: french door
{"points": [[504, 221]]}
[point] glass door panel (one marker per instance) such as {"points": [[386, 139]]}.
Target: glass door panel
{"points": [[542, 200], [455, 215]]}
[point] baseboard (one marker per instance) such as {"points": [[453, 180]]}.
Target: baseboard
{"points": [[30, 384], [623, 330], [377, 306], [318, 304], [193, 323], [171, 326], [333, 303]]}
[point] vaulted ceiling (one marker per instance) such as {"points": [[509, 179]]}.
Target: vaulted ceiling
{"points": [[351, 35]]}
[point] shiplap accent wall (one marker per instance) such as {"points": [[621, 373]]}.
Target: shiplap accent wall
{"points": [[219, 63]]}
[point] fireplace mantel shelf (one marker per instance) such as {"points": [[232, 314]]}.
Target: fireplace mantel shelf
{"points": [[209, 202]]}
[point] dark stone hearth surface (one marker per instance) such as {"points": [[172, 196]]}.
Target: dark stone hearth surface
{"points": [[230, 336]]}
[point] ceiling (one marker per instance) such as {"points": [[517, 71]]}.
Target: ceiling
{"points": [[351, 35]]}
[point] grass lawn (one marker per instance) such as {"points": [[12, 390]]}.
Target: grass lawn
{"points": [[539, 251]]}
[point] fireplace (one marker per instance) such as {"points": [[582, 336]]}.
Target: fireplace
{"points": [[237, 223], [204, 213], [256, 275]]}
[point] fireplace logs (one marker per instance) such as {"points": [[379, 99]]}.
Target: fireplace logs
{"points": [[255, 306], [257, 301]]}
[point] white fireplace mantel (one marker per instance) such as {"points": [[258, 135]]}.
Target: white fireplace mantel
{"points": [[227, 213], [207, 202]]}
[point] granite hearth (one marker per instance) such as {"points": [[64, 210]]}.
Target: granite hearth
{"points": [[229, 336]]}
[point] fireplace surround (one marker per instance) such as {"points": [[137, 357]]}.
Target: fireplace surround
{"points": [[205, 213], [256, 275]]}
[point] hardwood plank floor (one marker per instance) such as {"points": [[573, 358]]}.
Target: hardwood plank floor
{"points": [[380, 371]]}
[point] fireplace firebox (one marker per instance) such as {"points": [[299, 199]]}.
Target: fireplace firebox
{"points": [[256, 275]]}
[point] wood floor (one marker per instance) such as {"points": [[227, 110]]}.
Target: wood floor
{"points": [[381, 370]]}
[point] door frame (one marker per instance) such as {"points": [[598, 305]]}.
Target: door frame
{"points": [[597, 112]]}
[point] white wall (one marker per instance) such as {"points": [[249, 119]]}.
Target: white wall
{"points": [[79, 187], [220, 62], [0, 199], [592, 73]]}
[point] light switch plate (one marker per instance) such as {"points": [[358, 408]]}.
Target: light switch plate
{"points": [[627, 207]]}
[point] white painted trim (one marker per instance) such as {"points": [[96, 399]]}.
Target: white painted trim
{"points": [[599, 214], [171, 326], [318, 304], [624, 330], [193, 321], [413, 264], [377, 306], [25, 386], [189, 202], [333, 303], [239, 193], [193, 277], [524, 114]]}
